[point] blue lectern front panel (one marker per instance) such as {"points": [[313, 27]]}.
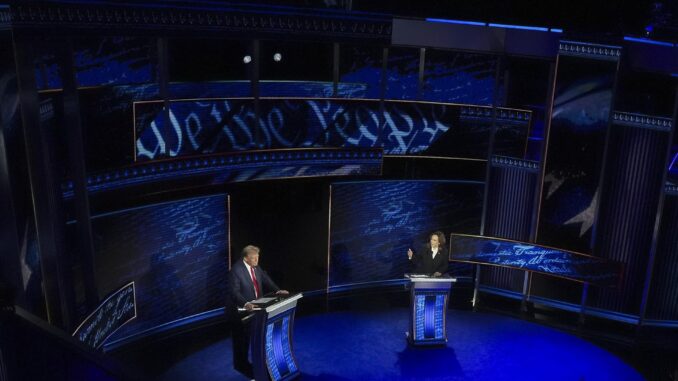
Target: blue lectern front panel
{"points": [[279, 358], [429, 317]]}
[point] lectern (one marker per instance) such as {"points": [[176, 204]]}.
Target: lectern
{"points": [[271, 341], [428, 304]]}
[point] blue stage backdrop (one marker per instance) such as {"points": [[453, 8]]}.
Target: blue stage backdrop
{"points": [[103, 61], [402, 73], [225, 125], [289, 89], [574, 157], [581, 113], [176, 254], [360, 71], [458, 77], [528, 256], [372, 224], [115, 61]]}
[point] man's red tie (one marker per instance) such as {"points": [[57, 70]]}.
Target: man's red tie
{"points": [[254, 280]]}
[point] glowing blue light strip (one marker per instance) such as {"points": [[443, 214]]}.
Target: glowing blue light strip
{"points": [[199, 317], [507, 26], [462, 22], [673, 161], [611, 315], [661, 323], [648, 41], [524, 27]]}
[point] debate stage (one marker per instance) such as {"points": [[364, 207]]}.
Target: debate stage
{"points": [[369, 343]]}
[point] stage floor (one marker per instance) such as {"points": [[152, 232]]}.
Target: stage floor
{"points": [[371, 345]]}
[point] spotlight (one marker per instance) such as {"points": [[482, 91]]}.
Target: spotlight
{"points": [[648, 30], [277, 57], [247, 59]]}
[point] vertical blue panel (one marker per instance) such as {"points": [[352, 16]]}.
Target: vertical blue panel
{"points": [[573, 162], [281, 363], [429, 319], [580, 116], [271, 358], [628, 209], [287, 342], [509, 213], [663, 299]]}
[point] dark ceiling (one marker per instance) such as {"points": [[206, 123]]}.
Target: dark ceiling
{"points": [[611, 18], [657, 19]]}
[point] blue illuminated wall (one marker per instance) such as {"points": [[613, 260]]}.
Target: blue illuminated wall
{"points": [[225, 125], [296, 89], [360, 71], [103, 61], [372, 224], [175, 252], [114, 61], [402, 73], [459, 77], [200, 90]]}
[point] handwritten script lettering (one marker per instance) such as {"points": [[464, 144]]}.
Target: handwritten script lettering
{"points": [[114, 312], [532, 257]]}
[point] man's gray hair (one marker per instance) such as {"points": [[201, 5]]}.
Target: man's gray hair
{"points": [[250, 249]]}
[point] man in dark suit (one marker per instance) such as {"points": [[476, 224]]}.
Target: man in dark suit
{"points": [[432, 258], [246, 282]]}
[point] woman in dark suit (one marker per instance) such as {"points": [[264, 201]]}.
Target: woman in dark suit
{"points": [[432, 258]]}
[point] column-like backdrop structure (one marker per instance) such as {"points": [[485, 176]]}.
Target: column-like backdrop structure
{"points": [[628, 206], [512, 186], [574, 156]]}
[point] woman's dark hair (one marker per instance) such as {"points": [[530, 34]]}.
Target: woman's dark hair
{"points": [[441, 239]]}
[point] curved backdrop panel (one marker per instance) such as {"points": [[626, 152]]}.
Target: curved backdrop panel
{"points": [[212, 125], [373, 223], [176, 254]]}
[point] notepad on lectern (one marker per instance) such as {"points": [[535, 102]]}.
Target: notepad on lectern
{"points": [[263, 300]]}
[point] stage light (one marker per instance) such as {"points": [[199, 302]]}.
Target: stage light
{"points": [[247, 59], [277, 57]]}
